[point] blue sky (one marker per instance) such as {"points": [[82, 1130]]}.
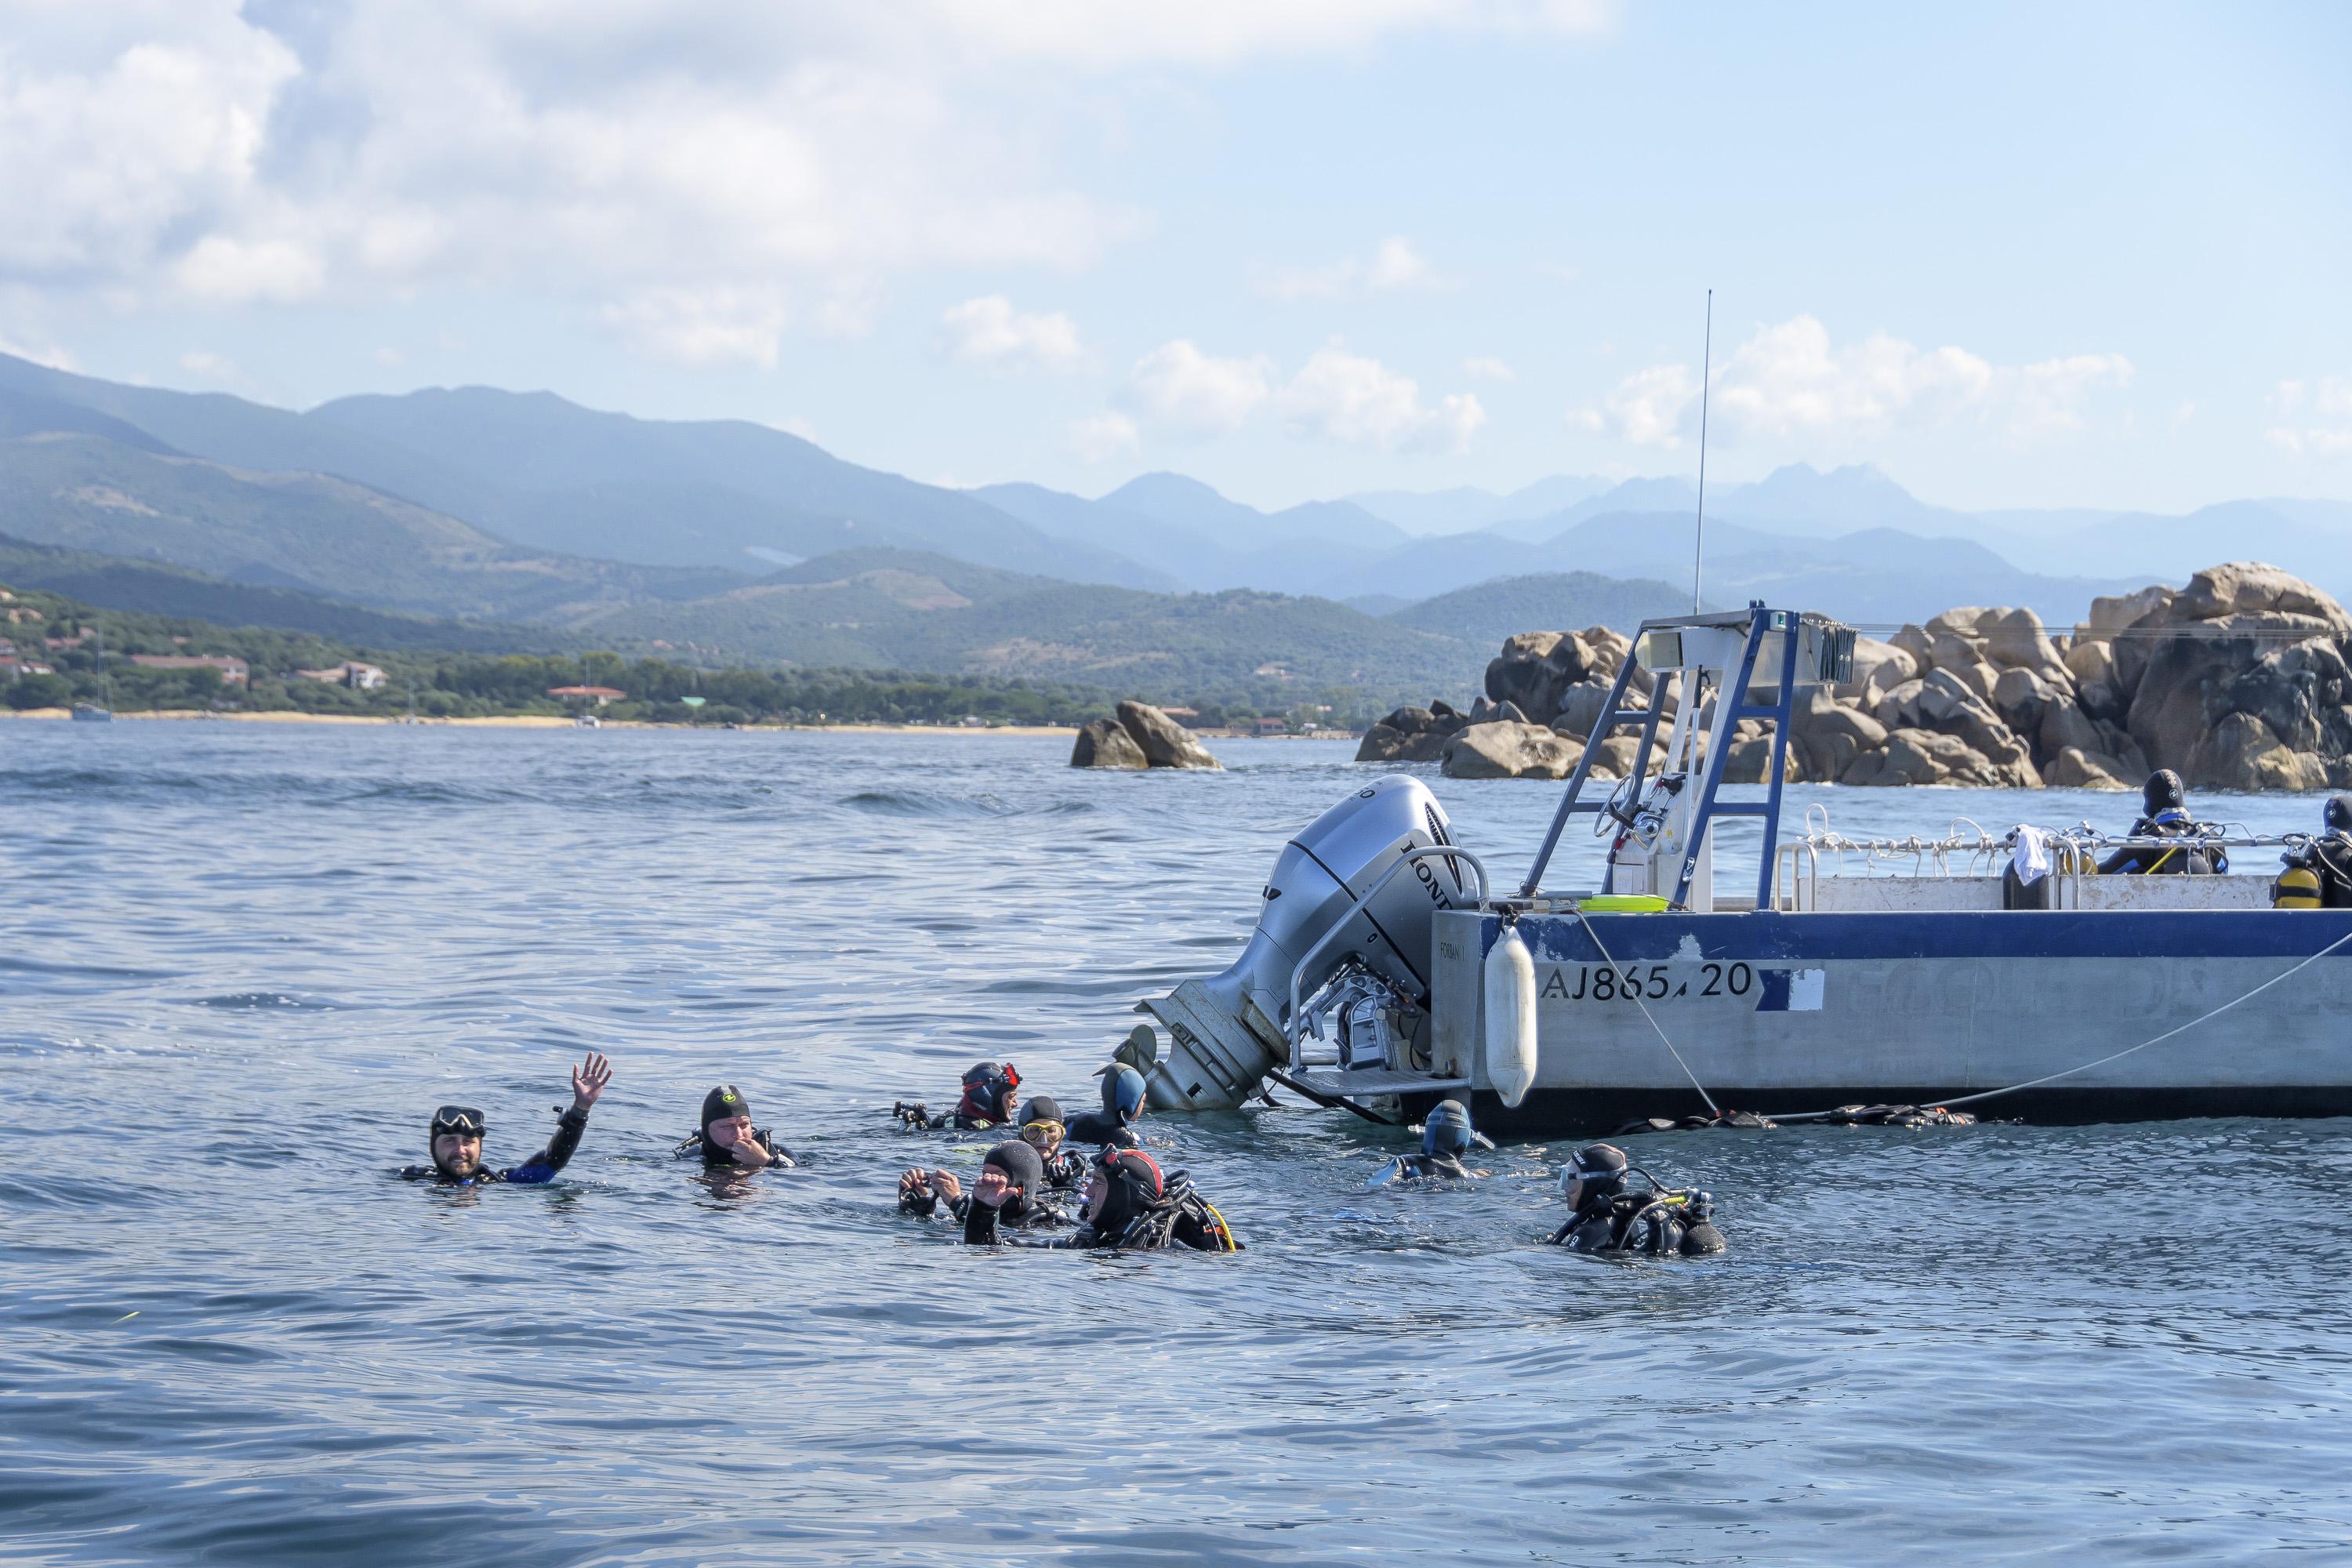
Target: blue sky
{"points": [[2017, 255]]}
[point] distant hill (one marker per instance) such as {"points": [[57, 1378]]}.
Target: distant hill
{"points": [[157, 588], [1486, 613], [880, 607], [1189, 504], [301, 530], [535, 469], [1204, 540]]}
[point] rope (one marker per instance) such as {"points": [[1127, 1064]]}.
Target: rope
{"points": [[2112, 1057], [1714, 1110]]}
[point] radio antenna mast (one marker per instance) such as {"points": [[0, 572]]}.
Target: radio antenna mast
{"points": [[1706, 374]]}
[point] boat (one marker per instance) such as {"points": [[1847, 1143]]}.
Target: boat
{"points": [[587, 721], [1386, 972], [102, 711]]}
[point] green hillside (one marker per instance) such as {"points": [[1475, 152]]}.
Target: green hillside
{"points": [[876, 608], [440, 684], [159, 588], [1486, 613]]}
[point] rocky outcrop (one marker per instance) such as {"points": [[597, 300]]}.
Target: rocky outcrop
{"points": [[1105, 743], [1140, 737], [1411, 734], [1504, 749], [2242, 680]]}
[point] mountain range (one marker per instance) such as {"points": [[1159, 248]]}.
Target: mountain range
{"points": [[475, 507]]}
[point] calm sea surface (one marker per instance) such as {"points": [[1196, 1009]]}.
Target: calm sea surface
{"points": [[241, 962]]}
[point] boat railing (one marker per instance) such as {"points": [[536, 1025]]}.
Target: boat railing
{"points": [[2075, 854], [1294, 1024]]}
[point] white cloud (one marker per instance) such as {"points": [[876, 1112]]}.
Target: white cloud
{"points": [[1395, 265], [1103, 436], [621, 157], [988, 330], [1486, 367], [210, 366], [1790, 380], [1644, 407], [2316, 417], [391, 358], [1228, 32], [1185, 392], [717, 325], [1360, 402]]}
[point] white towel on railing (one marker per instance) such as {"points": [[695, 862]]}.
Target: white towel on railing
{"points": [[2032, 856]]}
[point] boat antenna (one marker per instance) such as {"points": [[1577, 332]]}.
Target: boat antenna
{"points": [[1706, 374]]}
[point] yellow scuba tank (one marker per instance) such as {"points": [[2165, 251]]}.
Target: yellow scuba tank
{"points": [[2297, 888]]}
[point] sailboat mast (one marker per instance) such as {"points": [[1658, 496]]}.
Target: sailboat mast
{"points": [[1706, 374]]}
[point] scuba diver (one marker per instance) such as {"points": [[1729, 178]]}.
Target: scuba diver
{"points": [[1009, 1191], [1130, 1205], [1122, 1106], [457, 1138], [729, 1139], [1610, 1221], [2318, 874], [2164, 802], [1042, 1129], [988, 1090], [1445, 1137]]}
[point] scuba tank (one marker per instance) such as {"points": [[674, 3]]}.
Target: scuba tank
{"points": [[2297, 888]]}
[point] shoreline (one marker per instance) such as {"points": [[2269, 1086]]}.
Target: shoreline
{"points": [[548, 722]]}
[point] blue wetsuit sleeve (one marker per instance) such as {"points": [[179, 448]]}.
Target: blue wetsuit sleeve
{"points": [[543, 1166]]}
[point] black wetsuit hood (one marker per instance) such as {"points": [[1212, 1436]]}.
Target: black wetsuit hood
{"points": [[721, 1104], [1025, 1168], [2163, 792]]}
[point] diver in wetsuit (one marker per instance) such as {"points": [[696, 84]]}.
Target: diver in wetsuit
{"points": [[1130, 1204], [1122, 1106], [1042, 1130], [728, 1137], [1009, 1191], [2318, 874], [457, 1138], [1444, 1139], [2164, 802], [988, 1090], [1606, 1219]]}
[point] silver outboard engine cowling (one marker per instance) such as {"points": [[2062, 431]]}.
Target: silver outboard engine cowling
{"points": [[1226, 1032]]}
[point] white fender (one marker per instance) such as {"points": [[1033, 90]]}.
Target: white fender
{"points": [[1510, 982]]}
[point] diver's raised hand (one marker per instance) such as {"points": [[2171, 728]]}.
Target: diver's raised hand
{"points": [[944, 1183], [588, 1082]]}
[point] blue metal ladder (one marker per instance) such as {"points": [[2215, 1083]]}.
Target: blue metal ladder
{"points": [[1762, 623]]}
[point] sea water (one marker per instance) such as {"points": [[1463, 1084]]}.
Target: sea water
{"points": [[241, 963]]}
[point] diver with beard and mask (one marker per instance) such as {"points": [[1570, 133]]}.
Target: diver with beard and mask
{"points": [[1042, 1129], [1607, 1219], [1122, 1107], [1130, 1204], [457, 1137], [1010, 1190], [2164, 814], [1445, 1137], [728, 1140], [2318, 874]]}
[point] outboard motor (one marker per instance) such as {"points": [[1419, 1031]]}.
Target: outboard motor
{"points": [[1228, 1031]]}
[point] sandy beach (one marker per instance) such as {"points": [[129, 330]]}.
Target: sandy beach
{"points": [[533, 721]]}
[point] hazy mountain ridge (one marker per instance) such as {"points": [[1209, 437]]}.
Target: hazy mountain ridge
{"points": [[306, 531]]}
